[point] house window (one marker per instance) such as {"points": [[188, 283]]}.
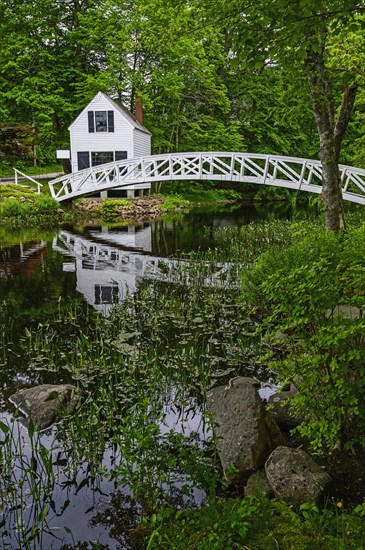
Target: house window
{"points": [[98, 157], [121, 155], [101, 157], [101, 121], [105, 294]]}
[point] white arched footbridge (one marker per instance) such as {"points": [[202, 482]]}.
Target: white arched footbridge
{"points": [[293, 173]]}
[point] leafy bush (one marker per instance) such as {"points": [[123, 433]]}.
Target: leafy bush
{"points": [[110, 208], [309, 300], [13, 208], [33, 210], [173, 202], [44, 204]]}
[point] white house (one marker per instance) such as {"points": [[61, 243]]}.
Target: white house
{"points": [[105, 131]]}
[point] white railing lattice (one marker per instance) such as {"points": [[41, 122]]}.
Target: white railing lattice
{"points": [[289, 172]]}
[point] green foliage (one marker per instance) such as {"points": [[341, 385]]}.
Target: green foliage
{"points": [[36, 209], [45, 205], [174, 202], [313, 293], [257, 523], [13, 208], [110, 208], [268, 194], [153, 464], [199, 192], [14, 190], [202, 90]]}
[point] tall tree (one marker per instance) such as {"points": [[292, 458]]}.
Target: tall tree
{"points": [[42, 62], [296, 33], [179, 75]]}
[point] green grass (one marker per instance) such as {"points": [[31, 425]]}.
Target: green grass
{"points": [[6, 171], [16, 191], [255, 523], [175, 202]]}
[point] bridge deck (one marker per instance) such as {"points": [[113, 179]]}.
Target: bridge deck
{"points": [[290, 172]]}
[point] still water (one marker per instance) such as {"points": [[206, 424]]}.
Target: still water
{"points": [[99, 266]]}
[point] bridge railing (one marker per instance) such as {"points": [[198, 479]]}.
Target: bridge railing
{"points": [[280, 171]]}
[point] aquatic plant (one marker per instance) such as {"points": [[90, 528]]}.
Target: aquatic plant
{"points": [[141, 363]]}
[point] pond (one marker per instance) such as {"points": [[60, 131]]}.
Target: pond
{"points": [[143, 319]]}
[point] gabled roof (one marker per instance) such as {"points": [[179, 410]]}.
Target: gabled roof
{"points": [[121, 109]]}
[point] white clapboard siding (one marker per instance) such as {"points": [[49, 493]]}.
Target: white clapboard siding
{"points": [[141, 143], [119, 140]]}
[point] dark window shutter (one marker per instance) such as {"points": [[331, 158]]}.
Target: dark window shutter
{"points": [[110, 121], [83, 160], [120, 155], [90, 114]]}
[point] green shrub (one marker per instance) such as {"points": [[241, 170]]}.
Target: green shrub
{"points": [[44, 204], [13, 208], [305, 294], [174, 202], [33, 210], [110, 208]]}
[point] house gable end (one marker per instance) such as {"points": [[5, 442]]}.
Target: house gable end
{"points": [[116, 107]]}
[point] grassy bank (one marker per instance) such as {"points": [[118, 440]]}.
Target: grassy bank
{"points": [[33, 171], [257, 523], [21, 205]]}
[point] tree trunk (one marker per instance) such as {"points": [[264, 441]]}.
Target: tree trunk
{"points": [[323, 109]]}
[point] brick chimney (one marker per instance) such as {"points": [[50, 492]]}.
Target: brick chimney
{"points": [[139, 110]]}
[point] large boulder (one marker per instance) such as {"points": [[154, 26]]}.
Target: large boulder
{"points": [[257, 484], [246, 434], [295, 477], [281, 408], [45, 404]]}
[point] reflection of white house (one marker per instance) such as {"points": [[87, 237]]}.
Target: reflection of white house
{"points": [[138, 238], [105, 131], [106, 272]]}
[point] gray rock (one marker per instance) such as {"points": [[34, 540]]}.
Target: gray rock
{"points": [[281, 408], [45, 404], [242, 429], [239, 380], [295, 477], [273, 430], [257, 484]]}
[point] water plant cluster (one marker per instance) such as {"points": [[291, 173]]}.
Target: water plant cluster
{"points": [[143, 369]]}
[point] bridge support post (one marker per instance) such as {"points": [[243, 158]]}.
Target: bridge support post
{"points": [[130, 193]]}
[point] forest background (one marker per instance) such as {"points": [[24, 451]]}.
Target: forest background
{"points": [[202, 86]]}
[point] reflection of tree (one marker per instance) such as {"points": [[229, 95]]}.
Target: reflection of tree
{"points": [[122, 518], [25, 302]]}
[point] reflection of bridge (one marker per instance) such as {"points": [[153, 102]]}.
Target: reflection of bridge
{"points": [[108, 273], [293, 173]]}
